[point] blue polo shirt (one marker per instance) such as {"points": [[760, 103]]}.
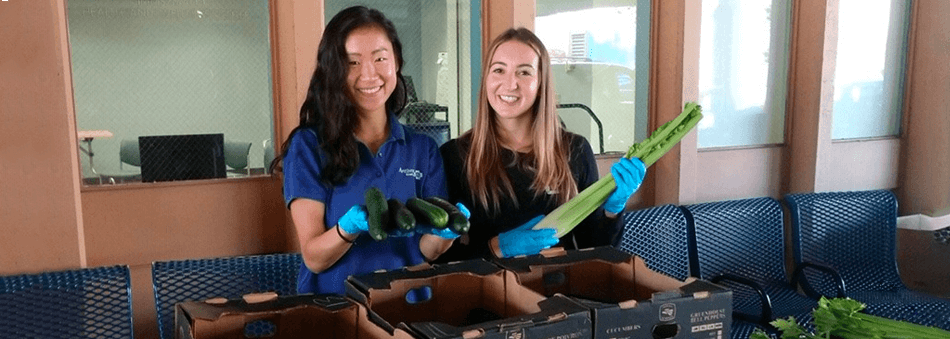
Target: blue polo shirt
{"points": [[407, 165]]}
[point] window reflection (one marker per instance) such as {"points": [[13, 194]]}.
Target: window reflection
{"points": [[869, 68], [595, 52], [742, 72], [170, 67]]}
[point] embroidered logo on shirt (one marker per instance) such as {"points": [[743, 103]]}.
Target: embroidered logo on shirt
{"points": [[411, 173]]}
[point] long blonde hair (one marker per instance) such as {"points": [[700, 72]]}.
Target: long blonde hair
{"points": [[485, 169]]}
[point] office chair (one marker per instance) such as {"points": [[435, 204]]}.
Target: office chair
{"points": [[128, 156], [269, 154], [129, 153], [236, 155]]}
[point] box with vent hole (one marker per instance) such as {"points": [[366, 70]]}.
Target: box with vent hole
{"points": [[626, 298], [468, 299]]}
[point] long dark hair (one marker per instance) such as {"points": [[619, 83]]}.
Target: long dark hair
{"points": [[327, 107]]}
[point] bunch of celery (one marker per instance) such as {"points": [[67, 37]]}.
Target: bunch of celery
{"points": [[571, 213], [841, 318]]}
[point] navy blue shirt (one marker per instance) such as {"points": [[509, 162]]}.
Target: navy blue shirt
{"points": [[595, 230], [407, 165]]}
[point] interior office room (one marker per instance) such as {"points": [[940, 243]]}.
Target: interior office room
{"points": [[797, 96]]}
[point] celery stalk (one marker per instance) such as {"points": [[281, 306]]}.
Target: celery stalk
{"points": [[842, 318], [571, 213]]}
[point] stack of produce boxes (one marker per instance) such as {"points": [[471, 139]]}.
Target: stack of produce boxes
{"points": [[627, 299], [597, 293]]}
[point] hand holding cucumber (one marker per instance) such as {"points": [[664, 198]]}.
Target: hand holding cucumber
{"points": [[458, 214], [391, 218], [377, 213], [402, 221], [458, 211], [354, 221]]}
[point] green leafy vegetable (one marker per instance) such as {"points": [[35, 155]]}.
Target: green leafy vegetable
{"points": [[842, 318], [571, 213]]}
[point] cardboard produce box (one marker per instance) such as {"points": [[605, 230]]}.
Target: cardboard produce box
{"points": [[268, 316], [627, 299], [923, 247], [468, 299]]}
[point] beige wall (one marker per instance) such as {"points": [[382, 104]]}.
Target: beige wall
{"points": [[924, 175], [497, 16], [925, 167], [50, 222], [39, 166]]}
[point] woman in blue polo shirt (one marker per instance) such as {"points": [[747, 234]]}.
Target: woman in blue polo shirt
{"points": [[349, 140]]}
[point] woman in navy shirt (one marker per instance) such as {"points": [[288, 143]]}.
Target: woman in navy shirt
{"points": [[349, 140], [517, 164]]}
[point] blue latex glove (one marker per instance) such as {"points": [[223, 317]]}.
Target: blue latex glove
{"points": [[446, 232], [628, 174], [525, 241], [354, 220], [397, 232]]}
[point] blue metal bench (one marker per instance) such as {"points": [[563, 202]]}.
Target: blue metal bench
{"points": [[81, 303], [740, 244], [227, 277], [659, 236], [855, 234]]}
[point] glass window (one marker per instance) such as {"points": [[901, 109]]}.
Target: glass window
{"points": [[175, 67], [438, 49], [743, 65], [869, 68], [596, 49]]}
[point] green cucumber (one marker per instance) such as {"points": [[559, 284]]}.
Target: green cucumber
{"points": [[377, 213], [428, 213], [457, 220], [401, 216]]}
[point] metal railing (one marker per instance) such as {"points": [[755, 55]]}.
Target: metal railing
{"points": [[600, 126]]}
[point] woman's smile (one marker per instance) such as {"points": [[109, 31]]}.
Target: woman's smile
{"points": [[370, 90], [508, 98]]}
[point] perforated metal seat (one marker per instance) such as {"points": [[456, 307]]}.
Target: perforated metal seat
{"points": [[659, 236], [855, 233], [740, 244], [228, 277], [82, 303]]}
